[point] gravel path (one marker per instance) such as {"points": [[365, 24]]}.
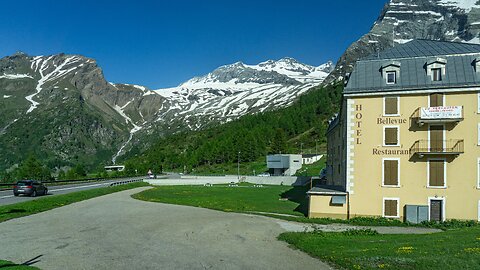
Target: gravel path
{"points": [[118, 232]]}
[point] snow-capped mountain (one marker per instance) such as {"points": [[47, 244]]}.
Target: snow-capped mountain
{"points": [[403, 20], [238, 89], [62, 108]]}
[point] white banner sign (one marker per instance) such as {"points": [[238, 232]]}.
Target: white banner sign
{"points": [[446, 112]]}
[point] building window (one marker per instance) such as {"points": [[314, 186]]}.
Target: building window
{"points": [[390, 136], [390, 106], [391, 77], [436, 173], [436, 138], [436, 100], [436, 74], [391, 172], [391, 207]]}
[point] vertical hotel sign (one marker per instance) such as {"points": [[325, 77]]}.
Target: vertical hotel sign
{"points": [[358, 123]]}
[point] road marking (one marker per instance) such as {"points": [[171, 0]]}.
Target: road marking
{"points": [[4, 197]]}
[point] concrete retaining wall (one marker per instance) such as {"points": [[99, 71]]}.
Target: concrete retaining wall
{"points": [[215, 180]]}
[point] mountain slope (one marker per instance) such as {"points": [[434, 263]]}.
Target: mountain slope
{"points": [[248, 138], [61, 108], [404, 20]]}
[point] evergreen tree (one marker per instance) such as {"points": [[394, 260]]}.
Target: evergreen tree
{"points": [[279, 142], [32, 168]]}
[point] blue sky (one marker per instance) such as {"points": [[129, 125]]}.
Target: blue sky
{"points": [[163, 43]]}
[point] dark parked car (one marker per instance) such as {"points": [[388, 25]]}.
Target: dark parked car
{"points": [[30, 188]]}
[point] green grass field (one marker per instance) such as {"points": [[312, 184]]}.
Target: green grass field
{"points": [[453, 249], [312, 169], [245, 198], [7, 265], [50, 202]]}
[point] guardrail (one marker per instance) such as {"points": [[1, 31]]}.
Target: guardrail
{"points": [[8, 186], [125, 182]]}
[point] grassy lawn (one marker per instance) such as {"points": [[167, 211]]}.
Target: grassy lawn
{"points": [[12, 266], [453, 249], [313, 169], [245, 198], [49, 202]]}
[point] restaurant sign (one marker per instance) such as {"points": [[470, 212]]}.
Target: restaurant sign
{"points": [[445, 112]]}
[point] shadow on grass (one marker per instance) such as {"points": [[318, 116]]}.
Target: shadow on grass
{"points": [[297, 195], [13, 211]]}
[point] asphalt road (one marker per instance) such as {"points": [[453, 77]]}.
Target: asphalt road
{"points": [[117, 232], [6, 196]]}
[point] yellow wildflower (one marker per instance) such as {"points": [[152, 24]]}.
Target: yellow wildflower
{"points": [[405, 250], [472, 250]]}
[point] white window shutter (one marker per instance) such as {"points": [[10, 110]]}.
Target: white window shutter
{"points": [[478, 176], [478, 103], [478, 210], [478, 134]]}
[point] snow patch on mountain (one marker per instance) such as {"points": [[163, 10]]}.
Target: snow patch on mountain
{"points": [[128, 120], [40, 64], [15, 76], [466, 5], [237, 89]]}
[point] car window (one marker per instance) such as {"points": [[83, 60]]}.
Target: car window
{"points": [[23, 183]]}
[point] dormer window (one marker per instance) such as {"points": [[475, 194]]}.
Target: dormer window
{"points": [[436, 69], [391, 72], [436, 74], [391, 77]]}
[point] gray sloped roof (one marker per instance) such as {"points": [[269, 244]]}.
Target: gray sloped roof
{"points": [[413, 57]]}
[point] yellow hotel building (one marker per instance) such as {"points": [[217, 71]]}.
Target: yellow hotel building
{"points": [[406, 143]]}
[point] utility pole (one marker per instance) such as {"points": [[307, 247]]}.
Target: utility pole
{"points": [[238, 166]]}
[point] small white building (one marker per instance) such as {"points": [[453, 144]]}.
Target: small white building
{"points": [[284, 164], [311, 158]]}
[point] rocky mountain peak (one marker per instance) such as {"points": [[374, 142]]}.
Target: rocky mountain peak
{"points": [[403, 20]]}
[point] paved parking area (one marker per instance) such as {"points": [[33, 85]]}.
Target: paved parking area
{"points": [[118, 232]]}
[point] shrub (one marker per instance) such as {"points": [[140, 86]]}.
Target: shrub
{"points": [[355, 232], [375, 221], [450, 224]]}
